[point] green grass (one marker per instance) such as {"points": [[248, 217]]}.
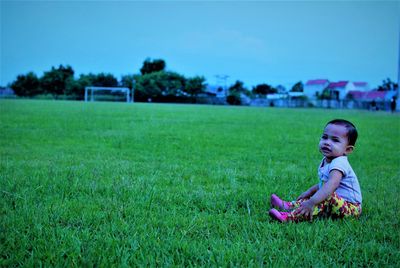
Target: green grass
{"points": [[116, 184]]}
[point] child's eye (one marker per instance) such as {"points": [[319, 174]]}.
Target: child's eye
{"points": [[324, 137], [335, 140]]}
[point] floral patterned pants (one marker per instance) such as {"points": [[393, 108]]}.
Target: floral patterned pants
{"points": [[333, 207]]}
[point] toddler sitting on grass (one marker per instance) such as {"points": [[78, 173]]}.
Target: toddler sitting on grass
{"points": [[338, 194]]}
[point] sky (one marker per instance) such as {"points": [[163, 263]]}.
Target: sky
{"points": [[273, 42]]}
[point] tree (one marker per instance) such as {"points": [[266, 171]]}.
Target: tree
{"points": [[234, 99], [235, 91], [238, 87], [150, 66], [104, 80], [387, 85], [264, 89], [298, 87], [55, 81], [159, 86], [172, 83], [76, 88], [195, 85], [27, 85], [129, 81], [326, 94]]}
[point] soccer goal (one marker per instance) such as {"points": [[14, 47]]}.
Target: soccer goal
{"points": [[107, 93]]}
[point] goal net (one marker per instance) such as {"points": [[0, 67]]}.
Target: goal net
{"points": [[107, 94]]}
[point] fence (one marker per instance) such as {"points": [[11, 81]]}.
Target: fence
{"points": [[329, 104]]}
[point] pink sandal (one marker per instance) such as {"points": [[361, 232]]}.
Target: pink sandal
{"points": [[276, 202], [280, 216]]}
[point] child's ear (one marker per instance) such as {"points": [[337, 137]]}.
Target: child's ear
{"points": [[349, 149]]}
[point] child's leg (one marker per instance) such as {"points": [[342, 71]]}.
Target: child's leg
{"points": [[297, 203], [334, 206], [340, 208], [276, 202], [318, 210]]}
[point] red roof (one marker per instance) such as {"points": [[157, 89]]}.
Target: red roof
{"points": [[357, 95], [371, 95], [317, 82], [338, 84], [368, 95]]}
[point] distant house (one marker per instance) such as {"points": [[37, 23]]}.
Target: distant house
{"points": [[374, 95], [294, 95], [245, 99], [6, 92], [339, 90], [278, 96], [212, 95], [368, 99], [215, 90], [281, 89], [314, 88]]}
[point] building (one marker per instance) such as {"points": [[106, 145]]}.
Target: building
{"points": [[6, 92], [313, 88], [373, 100], [217, 91], [339, 90], [212, 95], [280, 89]]}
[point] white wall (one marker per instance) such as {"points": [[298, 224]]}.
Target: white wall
{"points": [[310, 90]]}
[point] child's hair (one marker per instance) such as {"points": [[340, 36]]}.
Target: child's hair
{"points": [[351, 129]]}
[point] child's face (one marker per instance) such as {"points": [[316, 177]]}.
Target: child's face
{"points": [[334, 142]]}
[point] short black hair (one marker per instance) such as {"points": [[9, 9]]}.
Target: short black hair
{"points": [[352, 133]]}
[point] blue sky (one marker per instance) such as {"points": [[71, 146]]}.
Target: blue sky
{"points": [[256, 42]]}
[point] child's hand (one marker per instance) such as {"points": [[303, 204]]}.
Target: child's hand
{"points": [[303, 195], [306, 208], [309, 192]]}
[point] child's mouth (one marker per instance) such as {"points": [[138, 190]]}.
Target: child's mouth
{"points": [[325, 150]]}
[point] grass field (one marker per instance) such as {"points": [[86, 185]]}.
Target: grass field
{"points": [[116, 184]]}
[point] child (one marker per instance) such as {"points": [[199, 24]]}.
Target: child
{"points": [[338, 193]]}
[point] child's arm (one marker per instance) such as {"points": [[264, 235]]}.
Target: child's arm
{"points": [[306, 208], [309, 192]]}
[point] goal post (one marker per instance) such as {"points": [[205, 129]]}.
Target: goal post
{"points": [[89, 92]]}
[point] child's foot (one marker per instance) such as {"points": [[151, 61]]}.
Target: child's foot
{"points": [[276, 202], [280, 216]]}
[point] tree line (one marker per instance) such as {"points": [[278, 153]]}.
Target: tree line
{"points": [[153, 83]]}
